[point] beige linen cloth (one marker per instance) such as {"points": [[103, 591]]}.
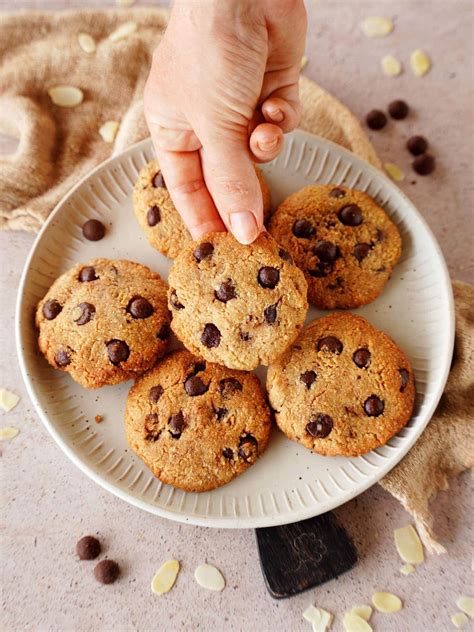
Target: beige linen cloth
{"points": [[58, 146]]}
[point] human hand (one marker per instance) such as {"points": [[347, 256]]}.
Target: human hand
{"points": [[222, 89]]}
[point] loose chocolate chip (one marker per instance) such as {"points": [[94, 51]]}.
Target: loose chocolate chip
{"points": [[174, 301], [373, 406], [195, 386], [303, 229], [225, 292], [221, 413], [326, 251], [87, 274], [270, 314], [227, 453], [51, 309], [350, 215], [245, 336], [308, 378], [176, 425], [398, 109], [159, 181], [319, 425], [268, 277], [361, 358], [330, 343], [107, 571], [376, 119], [228, 386], [404, 375], [424, 164], [153, 215], [62, 358], [337, 193], [248, 448], [321, 270], [211, 336], [155, 393], [164, 332], [361, 251], [285, 255], [88, 548], [118, 351], [417, 145], [139, 307], [88, 311], [203, 251], [93, 230]]}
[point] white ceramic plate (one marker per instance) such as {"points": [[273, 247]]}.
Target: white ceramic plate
{"points": [[288, 483]]}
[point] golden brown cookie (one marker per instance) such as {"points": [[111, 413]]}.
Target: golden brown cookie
{"points": [[344, 387], [158, 217], [197, 425], [104, 321], [237, 305], [343, 241]]}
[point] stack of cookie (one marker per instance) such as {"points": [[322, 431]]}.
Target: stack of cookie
{"points": [[198, 417]]}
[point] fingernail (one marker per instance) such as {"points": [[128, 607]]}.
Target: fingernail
{"points": [[276, 115], [268, 145], [243, 226]]}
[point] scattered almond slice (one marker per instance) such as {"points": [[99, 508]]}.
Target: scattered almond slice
{"points": [[354, 623], [459, 620], [420, 62], [304, 62], [408, 543], [320, 619], [394, 172], [364, 611], [8, 400], [109, 130], [66, 96], [86, 42], [209, 577], [124, 30], [8, 433], [386, 602], [125, 3], [165, 577], [466, 604], [375, 26], [391, 66], [406, 569]]}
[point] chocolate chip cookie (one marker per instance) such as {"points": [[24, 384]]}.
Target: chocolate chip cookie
{"points": [[343, 241], [197, 425], [344, 388], [158, 217], [104, 321], [237, 305]]}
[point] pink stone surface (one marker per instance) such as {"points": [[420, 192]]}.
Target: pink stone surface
{"points": [[48, 504]]}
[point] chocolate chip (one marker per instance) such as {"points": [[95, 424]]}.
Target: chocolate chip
{"points": [[337, 193], [198, 367], [350, 215], [107, 571], [417, 145], [221, 413], [93, 230], [62, 358], [203, 251], [152, 432], [225, 292], [248, 448], [87, 274], [139, 307], [153, 215], [268, 277], [270, 314], [361, 251], [381, 269], [174, 301], [308, 378], [338, 283], [118, 351], [164, 332], [326, 251], [373, 406], [51, 309], [88, 548], [194, 386], [361, 358], [376, 119], [158, 181], [398, 109], [176, 425], [319, 425], [303, 229], [228, 386], [155, 393], [285, 255], [211, 336], [330, 343], [380, 235], [245, 336], [424, 164], [88, 311], [227, 453], [405, 376], [321, 270]]}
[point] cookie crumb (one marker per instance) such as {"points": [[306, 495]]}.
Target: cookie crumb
{"points": [[98, 419]]}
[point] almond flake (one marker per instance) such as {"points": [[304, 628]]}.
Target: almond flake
{"points": [[86, 42], [165, 577], [459, 620], [8, 433], [304, 62], [386, 602], [394, 172], [408, 543], [391, 66], [124, 30], [209, 577], [8, 400], [320, 619], [420, 62], [125, 3], [109, 130], [406, 569], [66, 96], [364, 611], [466, 604], [376, 26], [353, 623]]}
